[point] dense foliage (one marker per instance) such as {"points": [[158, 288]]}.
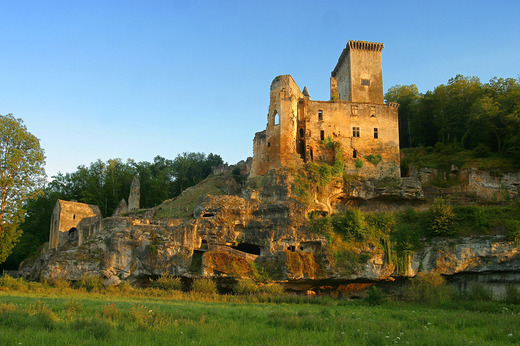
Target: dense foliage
{"points": [[21, 177], [463, 111], [104, 184]]}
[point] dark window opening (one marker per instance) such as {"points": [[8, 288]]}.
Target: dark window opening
{"points": [[301, 149], [320, 115], [248, 248], [204, 245], [208, 215], [355, 132], [365, 82], [291, 248], [322, 135], [301, 248], [268, 144], [376, 133], [310, 154], [302, 133], [73, 216], [354, 154], [73, 235]]}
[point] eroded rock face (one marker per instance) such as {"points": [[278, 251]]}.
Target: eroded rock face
{"points": [[263, 231]]}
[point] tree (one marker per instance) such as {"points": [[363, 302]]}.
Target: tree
{"points": [[407, 96], [21, 178]]}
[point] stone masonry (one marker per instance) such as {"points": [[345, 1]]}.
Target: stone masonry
{"points": [[356, 117]]}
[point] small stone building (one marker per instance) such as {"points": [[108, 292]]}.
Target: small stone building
{"points": [[71, 222], [300, 130]]}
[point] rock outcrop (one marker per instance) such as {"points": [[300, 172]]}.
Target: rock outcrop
{"points": [[264, 230]]}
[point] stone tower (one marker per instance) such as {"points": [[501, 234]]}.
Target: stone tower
{"points": [[358, 75], [135, 194]]}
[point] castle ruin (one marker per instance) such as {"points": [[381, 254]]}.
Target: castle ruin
{"points": [[300, 130]]}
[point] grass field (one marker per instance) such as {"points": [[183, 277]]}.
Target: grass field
{"points": [[81, 318]]}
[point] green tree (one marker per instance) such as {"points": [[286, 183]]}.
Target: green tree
{"points": [[407, 96], [21, 178]]}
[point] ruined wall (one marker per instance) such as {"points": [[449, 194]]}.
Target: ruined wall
{"points": [[275, 147], [67, 216], [366, 127]]}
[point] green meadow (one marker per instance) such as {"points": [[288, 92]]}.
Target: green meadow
{"points": [[39, 314]]}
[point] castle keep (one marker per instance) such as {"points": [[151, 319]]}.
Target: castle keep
{"points": [[300, 130]]}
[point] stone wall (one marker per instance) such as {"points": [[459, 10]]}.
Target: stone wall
{"points": [[68, 216], [366, 128]]}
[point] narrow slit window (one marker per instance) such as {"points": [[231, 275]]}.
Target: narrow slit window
{"points": [[320, 115], [354, 154], [268, 144], [354, 110], [355, 132], [276, 118], [322, 135], [372, 111], [376, 132], [302, 133]]}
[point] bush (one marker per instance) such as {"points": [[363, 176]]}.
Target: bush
{"points": [[92, 283], [479, 293], [481, 150], [246, 286], [441, 218], [167, 283], [374, 297], [273, 289], [513, 230], [351, 225], [204, 285], [61, 284], [13, 284], [512, 295], [428, 288]]}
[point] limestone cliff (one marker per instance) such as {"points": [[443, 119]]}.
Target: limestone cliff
{"points": [[261, 229]]}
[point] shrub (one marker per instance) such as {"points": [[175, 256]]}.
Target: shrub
{"points": [[358, 163], [513, 231], [259, 272], [246, 286], [374, 159], [351, 225], [61, 284], [92, 283], [13, 284], [481, 150], [204, 285], [428, 288], [374, 297], [479, 293], [168, 282], [512, 295], [441, 218], [273, 289]]}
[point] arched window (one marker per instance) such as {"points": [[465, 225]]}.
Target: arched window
{"points": [[276, 118]]}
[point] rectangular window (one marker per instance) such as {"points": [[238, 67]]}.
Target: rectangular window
{"points": [[372, 111], [354, 154], [322, 135], [355, 132], [354, 110], [365, 82], [376, 133], [320, 115]]}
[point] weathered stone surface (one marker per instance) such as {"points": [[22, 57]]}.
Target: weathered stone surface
{"points": [[355, 117], [135, 194], [122, 208]]}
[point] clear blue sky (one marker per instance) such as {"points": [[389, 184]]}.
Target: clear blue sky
{"points": [[136, 79]]}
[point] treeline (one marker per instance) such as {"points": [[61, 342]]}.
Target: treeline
{"points": [[464, 111], [104, 184]]}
